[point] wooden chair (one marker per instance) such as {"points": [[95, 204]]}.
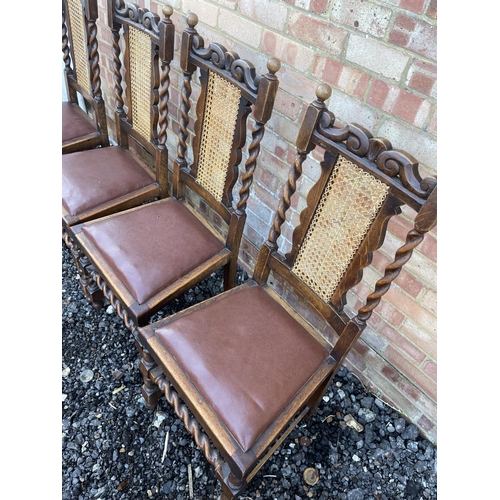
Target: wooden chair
{"points": [[82, 130], [242, 369], [103, 181], [143, 258]]}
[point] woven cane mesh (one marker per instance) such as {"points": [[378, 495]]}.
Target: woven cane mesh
{"points": [[140, 81], [219, 123], [79, 42], [344, 214]]}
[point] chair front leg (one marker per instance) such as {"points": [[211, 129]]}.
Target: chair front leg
{"points": [[88, 285]]}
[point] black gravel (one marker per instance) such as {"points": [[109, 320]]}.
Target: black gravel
{"points": [[112, 445]]}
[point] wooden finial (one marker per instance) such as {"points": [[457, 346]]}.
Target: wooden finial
{"points": [[192, 19], [323, 92], [167, 10], [273, 65]]}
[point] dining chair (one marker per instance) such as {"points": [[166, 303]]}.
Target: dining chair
{"points": [[143, 258], [82, 129], [242, 369], [103, 181]]}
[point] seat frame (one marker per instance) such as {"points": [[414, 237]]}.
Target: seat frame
{"points": [[93, 95], [235, 468]]}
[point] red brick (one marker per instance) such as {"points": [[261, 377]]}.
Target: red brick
{"points": [[327, 70], [407, 106], [411, 285], [391, 374], [429, 247], [288, 105], [422, 83], [432, 9], [378, 93], [407, 348], [430, 368], [425, 423], [417, 36], [411, 308], [416, 6], [317, 33], [318, 6], [420, 337]]}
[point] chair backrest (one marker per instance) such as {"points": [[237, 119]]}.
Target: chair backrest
{"points": [[230, 90], [141, 112], [81, 59], [363, 183]]}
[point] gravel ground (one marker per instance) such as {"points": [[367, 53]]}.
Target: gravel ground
{"points": [[113, 446]]}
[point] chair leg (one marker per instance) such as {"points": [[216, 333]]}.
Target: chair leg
{"points": [[89, 287], [316, 397], [230, 275], [150, 391]]}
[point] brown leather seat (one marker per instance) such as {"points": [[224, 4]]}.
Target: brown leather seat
{"points": [[92, 178], [150, 248], [267, 357], [75, 122]]}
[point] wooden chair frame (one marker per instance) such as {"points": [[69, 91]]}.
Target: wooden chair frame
{"points": [[90, 87], [395, 169], [258, 92], [128, 16]]}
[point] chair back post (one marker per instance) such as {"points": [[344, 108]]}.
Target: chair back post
{"points": [[188, 69], [115, 27], [166, 54], [92, 13]]}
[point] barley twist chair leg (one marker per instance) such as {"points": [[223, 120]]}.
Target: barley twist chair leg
{"points": [[88, 286]]}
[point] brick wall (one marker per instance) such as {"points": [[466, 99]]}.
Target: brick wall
{"points": [[380, 59]]}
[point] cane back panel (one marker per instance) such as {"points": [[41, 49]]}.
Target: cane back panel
{"points": [[141, 67], [219, 126], [345, 212], [78, 42]]}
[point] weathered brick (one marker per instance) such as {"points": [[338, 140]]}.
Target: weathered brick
{"points": [[376, 57], [430, 367], [416, 6], [351, 80], [207, 12], [239, 28], [420, 337], [411, 308], [347, 109], [287, 104], [297, 84], [264, 12], [317, 33], [418, 143], [287, 50], [432, 9], [422, 77], [366, 17], [316, 6], [415, 35]]}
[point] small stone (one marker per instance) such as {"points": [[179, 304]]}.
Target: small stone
{"points": [[351, 422], [311, 476], [110, 310], [356, 458], [411, 432], [305, 441], [356, 494], [86, 376]]}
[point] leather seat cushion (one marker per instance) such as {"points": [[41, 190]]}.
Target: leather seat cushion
{"points": [[96, 176], [151, 247], [75, 122], [247, 355]]}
